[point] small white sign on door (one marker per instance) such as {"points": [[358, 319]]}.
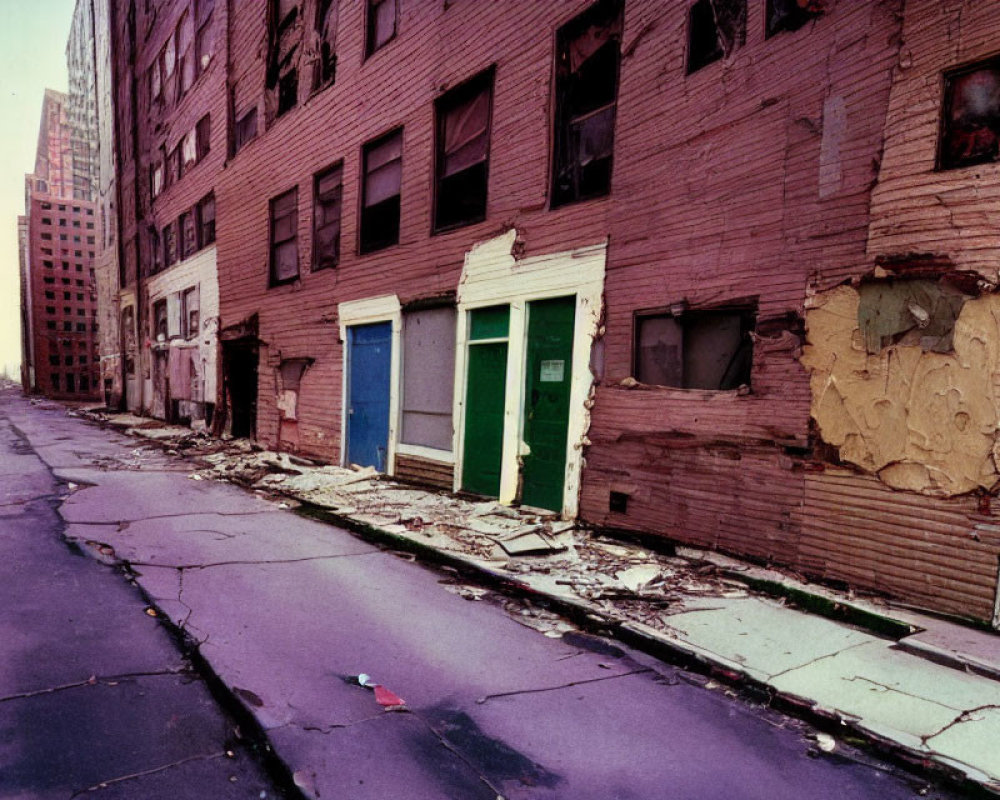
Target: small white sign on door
{"points": [[552, 371]]}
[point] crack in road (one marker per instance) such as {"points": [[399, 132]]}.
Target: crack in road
{"points": [[248, 562], [484, 699], [965, 716], [146, 772], [815, 660], [173, 516], [94, 680]]}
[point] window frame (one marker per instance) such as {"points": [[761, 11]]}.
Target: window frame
{"points": [[316, 263], [371, 6], [366, 149], [273, 279], [948, 76]]}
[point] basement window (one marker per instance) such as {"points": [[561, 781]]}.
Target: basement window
{"points": [[588, 53], [715, 29], [382, 175], [970, 129], [381, 24], [790, 15], [695, 349], [327, 195], [284, 237], [462, 153]]}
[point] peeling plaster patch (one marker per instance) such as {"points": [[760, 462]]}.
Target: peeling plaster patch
{"points": [[922, 421]]}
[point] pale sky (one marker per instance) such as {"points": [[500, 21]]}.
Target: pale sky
{"points": [[32, 58]]}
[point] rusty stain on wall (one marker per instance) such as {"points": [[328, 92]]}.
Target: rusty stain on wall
{"points": [[903, 382]]}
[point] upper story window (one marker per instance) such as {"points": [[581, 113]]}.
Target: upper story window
{"points": [[462, 153], [284, 41], [205, 38], [185, 53], [327, 196], [588, 52], [381, 21], [203, 137], [715, 29], [284, 218], [382, 177], [325, 70], [790, 15], [245, 129], [205, 212], [970, 125]]}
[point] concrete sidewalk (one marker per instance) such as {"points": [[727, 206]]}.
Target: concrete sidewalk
{"points": [[922, 688]]}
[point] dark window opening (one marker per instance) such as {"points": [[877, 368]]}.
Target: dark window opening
{"points": [[462, 153], [325, 71], [715, 29], [618, 502], [695, 349], [70, 382], [284, 237], [203, 137], [382, 172], [588, 52], [327, 197], [790, 15], [288, 91], [284, 40], [169, 246], [188, 233], [206, 220], [246, 128], [381, 24], [970, 129], [55, 382], [155, 251]]}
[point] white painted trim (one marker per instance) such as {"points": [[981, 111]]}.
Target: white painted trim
{"points": [[385, 308], [492, 276], [430, 453]]}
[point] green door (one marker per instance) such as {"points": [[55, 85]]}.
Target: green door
{"points": [[484, 400], [546, 400]]}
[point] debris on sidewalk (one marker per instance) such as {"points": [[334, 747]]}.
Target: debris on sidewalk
{"points": [[389, 700]]}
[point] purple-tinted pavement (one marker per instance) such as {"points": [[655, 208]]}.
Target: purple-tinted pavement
{"points": [[285, 609]]}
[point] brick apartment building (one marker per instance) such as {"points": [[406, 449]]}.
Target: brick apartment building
{"points": [[58, 304], [626, 260]]}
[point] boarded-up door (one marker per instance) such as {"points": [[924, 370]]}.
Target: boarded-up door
{"points": [[546, 393], [369, 363], [482, 450]]}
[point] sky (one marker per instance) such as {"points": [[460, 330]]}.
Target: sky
{"points": [[32, 58]]}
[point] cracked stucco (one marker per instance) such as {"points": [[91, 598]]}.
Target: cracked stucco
{"points": [[921, 421]]}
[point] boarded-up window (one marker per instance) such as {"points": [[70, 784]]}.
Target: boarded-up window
{"points": [[382, 175], [462, 153], [188, 234], [971, 125], [790, 15], [205, 211], [382, 15], [284, 237], [715, 29], [325, 70], [246, 128], [185, 54], [203, 137], [327, 194], [695, 350], [428, 377], [588, 52], [190, 313]]}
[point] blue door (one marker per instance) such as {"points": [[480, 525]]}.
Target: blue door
{"points": [[369, 366]]}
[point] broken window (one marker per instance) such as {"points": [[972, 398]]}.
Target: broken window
{"points": [[160, 329], [284, 40], [428, 377], [189, 152], [291, 371], [970, 133], [203, 136], [284, 237], [695, 349], [325, 70], [790, 15], [462, 153], [246, 128], [188, 234], [185, 56], [715, 29], [382, 174], [189, 313], [381, 24], [588, 52], [327, 193], [909, 312], [205, 211], [205, 38], [169, 245]]}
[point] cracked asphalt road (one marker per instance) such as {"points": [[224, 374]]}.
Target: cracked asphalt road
{"points": [[285, 609]]}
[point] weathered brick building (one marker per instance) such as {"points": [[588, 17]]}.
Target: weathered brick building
{"points": [[628, 260], [58, 306]]}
